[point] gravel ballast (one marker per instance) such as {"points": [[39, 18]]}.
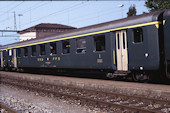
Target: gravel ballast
{"points": [[31, 102]]}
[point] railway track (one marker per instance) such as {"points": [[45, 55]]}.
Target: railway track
{"points": [[6, 109], [110, 102]]}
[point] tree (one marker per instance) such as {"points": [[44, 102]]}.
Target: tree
{"points": [[154, 5], [132, 11]]}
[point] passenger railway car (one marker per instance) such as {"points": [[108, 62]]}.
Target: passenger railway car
{"points": [[137, 46]]}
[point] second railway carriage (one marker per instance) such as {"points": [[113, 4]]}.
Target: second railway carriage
{"points": [[135, 46]]}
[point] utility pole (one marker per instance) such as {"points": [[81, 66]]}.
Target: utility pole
{"points": [[15, 24], [20, 21], [121, 6]]}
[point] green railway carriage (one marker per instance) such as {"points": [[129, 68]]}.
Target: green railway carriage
{"points": [[133, 46]]}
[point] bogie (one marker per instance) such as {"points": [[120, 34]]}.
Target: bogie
{"points": [[141, 76]]}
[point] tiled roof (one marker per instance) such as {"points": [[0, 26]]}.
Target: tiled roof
{"points": [[47, 26]]}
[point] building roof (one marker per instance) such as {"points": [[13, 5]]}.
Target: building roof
{"points": [[46, 26]]}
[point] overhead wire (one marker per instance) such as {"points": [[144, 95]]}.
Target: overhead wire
{"points": [[32, 7], [87, 15], [73, 19], [29, 10], [12, 8], [80, 19], [87, 19], [7, 6], [6, 19], [61, 11], [9, 11]]}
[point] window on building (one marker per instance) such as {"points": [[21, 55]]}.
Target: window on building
{"points": [[25, 51], [10, 52], [81, 45], [42, 49], [33, 50], [138, 35], [99, 42], [19, 52], [66, 47], [53, 49]]}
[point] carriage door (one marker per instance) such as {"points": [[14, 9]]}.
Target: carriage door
{"points": [[2, 63], [121, 50], [15, 58]]}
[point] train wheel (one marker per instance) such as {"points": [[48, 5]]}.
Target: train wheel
{"points": [[18, 70], [141, 77], [6, 69], [21, 70]]}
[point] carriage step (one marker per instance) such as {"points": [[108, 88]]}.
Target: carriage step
{"points": [[121, 73], [118, 73]]}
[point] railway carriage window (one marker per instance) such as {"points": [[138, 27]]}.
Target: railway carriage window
{"points": [[33, 50], [19, 52], [118, 41], [99, 42], [10, 52], [42, 49], [81, 45], [53, 49], [123, 40], [66, 47], [138, 35], [25, 51]]}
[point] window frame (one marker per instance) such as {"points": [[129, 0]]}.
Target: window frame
{"points": [[32, 51], [118, 41], [124, 40], [53, 49], [10, 52], [84, 49], [24, 52], [66, 47], [41, 50], [97, 36], [141, 36], [18, 54]]}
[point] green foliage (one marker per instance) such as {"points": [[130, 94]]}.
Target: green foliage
{"points": [[132, 11], [154, 5]]}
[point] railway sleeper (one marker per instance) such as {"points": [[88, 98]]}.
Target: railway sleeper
{"points": [[65, 94]]}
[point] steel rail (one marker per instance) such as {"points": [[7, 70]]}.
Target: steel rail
{"points": [[153, 100], [10, 110], [96, 101], [131, 108]]}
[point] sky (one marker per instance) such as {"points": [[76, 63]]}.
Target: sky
{"points": [[73, 13]]}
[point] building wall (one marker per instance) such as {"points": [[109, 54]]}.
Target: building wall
{"points": [[27, 36]]}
